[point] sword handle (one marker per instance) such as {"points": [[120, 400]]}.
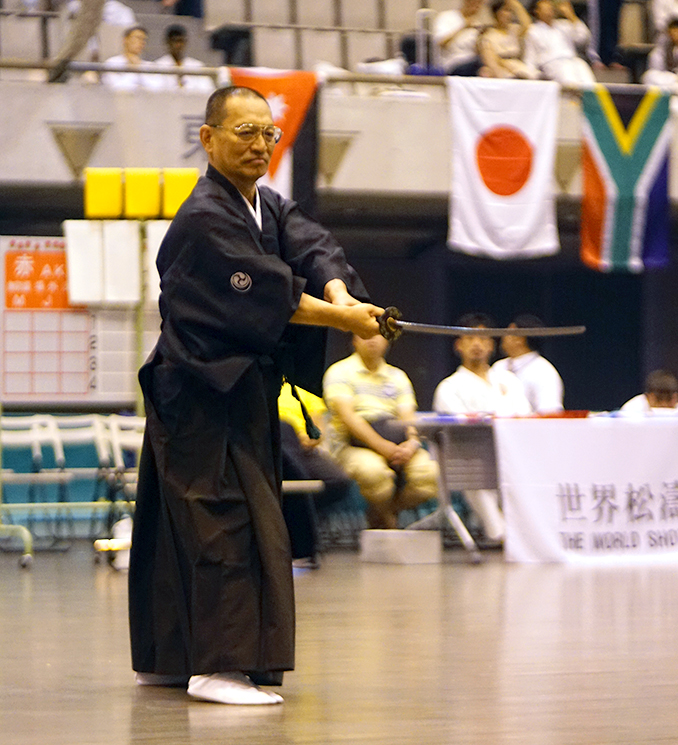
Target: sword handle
{"points": [[388, 323]]}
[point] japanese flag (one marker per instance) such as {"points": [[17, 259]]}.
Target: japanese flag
{"points": [[504, 137]]}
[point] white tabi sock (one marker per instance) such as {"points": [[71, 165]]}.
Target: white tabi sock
{"points": [[230, 688]]}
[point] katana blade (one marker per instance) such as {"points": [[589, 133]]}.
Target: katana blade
{"points": [[391, 327], [427, 328]]}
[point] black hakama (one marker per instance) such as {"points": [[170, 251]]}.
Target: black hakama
{"points": [[210, 582]]}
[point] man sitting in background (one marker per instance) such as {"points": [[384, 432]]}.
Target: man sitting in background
{"points": [[553, 41], [660, 397], [133, 44], [541, 381], [477, 388], [176, 38], [456, 34], [371, 435]]}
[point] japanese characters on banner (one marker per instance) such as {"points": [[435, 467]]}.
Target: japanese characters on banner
{"points": [[35, 280], [601, 489], [289, 94], [53, 352]]}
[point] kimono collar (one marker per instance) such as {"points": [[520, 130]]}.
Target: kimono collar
{"points": [[219, 177], [256, 209]]}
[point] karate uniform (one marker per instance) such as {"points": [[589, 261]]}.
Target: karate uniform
{"points": [[640, 406], [200, 83], [210, 583], [552, 49], [129, 81], [541, 381]]}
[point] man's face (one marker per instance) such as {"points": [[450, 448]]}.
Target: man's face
{"points": [[177, 46], [241, 162], [471, 7], [135, 42], [510, 345], [474, 349], [662, 402], [545, 11], [504, 16], [373, 348], [514, 346]]}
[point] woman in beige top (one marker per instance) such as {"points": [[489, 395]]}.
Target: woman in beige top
{"points": [[501, 45]]}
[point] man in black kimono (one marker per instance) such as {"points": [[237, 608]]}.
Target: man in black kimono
{"points": [[244, 274]]}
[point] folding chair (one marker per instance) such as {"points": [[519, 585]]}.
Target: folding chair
{"points": [[87, 457], [126, 434], [30, 438]]}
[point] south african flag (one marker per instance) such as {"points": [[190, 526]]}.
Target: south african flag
{"points": [[625, 163]]}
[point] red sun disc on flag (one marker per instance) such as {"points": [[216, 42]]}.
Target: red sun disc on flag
{"points": [[504, 158]]}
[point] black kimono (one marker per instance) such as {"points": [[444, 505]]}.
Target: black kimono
{"points": [[210, 581]]}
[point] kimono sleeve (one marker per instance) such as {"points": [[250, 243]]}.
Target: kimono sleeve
{"points": [[313, 253], [225, 296]]}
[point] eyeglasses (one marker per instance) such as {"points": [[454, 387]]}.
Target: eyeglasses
{"points": [[249, 132]]}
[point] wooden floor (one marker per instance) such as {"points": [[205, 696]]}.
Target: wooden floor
{"points": [[493, 654]]}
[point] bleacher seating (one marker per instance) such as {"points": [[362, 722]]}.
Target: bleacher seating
{"points": [[320, 45], [364, 46], [274, 47], [342, 32], [270, 11], [316, 13]]}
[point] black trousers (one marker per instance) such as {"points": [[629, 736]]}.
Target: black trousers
{"points": [[300, 510]]}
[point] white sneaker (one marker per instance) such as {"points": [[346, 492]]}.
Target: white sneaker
{"points": [[230, 688], [154, 679]]}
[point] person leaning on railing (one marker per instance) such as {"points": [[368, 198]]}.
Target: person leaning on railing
{"points": [[501, 45]]}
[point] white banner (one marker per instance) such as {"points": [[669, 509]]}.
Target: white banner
{"points": [[589, 490], [503, 149]]}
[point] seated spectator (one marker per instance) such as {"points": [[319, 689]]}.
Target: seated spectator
{"points": [[552, 44], [456, 33], [541, 381], [662, 64], [133, 44], [176, 38], [662, 11], [372, 403], [660, 397], [476, 388], [305, 459], [501, 45]]}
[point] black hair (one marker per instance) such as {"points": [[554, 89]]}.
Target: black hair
{"points": [[175, 31], [529, 321], [496, 6], [131, 29], [532, 7], [663, 385], [216, 104], [474, 320]]}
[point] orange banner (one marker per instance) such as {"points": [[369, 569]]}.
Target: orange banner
{"points": [[35, 280]]}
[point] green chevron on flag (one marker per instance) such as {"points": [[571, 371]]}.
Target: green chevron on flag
{"points": [[625, 209]]}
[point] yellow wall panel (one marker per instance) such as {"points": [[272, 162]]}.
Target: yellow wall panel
{"points": [[179, 183], [142, 192], [103, 193]]}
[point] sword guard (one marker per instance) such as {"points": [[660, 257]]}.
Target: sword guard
{"points": [[388, 323]]}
